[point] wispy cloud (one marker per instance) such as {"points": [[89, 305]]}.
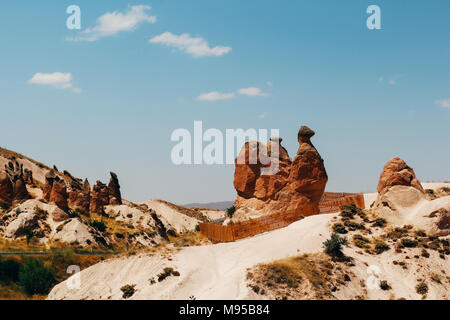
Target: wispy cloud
{"points": [[253, 92], [56, 80], [214, 96], [196, 47], [111, 23], [391, 80], [444, 103]]}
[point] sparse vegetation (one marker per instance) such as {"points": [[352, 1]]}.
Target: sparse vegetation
{"points": [[9, 271], [384, 285], [339, 228], [35, 278], [436, 278], [380, 246], [308, 275], [128, 291], [230, 211], [422, 288], [409, 243], [282, 273], [379, 222], [98, 225], [167, 272], [360, 241], [352, 225], [333, 246]]}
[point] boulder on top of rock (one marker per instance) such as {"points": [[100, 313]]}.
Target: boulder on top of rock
{"points": [[292, 187], [397, 173]]}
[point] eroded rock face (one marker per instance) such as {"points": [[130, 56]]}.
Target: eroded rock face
{"points": [[294, 187], [80, 197], [397, 173], [55, 190], [99, 198], [6, 189], [13, 187]]}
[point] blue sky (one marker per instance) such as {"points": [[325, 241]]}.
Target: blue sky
{"points": [[370, 95]]}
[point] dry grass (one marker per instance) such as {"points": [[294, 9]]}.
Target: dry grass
{"points": [[191, 239], [309, 276]]}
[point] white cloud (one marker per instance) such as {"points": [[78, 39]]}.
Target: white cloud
{"points": [[262, 115], [56, 80], [196, 47], [444, 103], [214, 96], [392, 82], [111, 23], [252, 92], [269, 83]]}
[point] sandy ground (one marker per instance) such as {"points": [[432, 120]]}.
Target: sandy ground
{"points": [[208, 272], [219, 271], [171, 218]]}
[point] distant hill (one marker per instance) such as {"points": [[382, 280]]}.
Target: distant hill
{"points": [[211, 205]]}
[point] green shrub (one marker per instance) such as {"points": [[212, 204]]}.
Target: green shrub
{"points": [[339, 228], [333, 246], [98, 225], [9, 271], [348, 210], [29, 234], [380, 222], [167, 272], [230, 211], [422, 288], [35, 278], [409, 243], [384, 285], [128, 291], [360, 241], [380, 246], [352, 225]]}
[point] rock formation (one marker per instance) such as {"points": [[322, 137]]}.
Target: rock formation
{"points": [[115, 198], [103, 195], [6, 189], [397, 173], [401, 201], [99, 198], [12, 184], [55, 190], [80, 197], [294, 187], [28, 176]]}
